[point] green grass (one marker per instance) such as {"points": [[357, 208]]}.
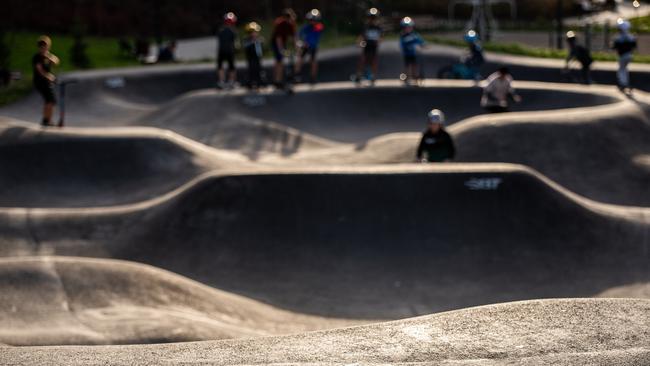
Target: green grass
{"points": [[641, 24], [18, 90], [521, 50]]}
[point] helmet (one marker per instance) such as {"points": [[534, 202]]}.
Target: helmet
{"points": [[436, 116], [44, 39], [623, 24], [570, 35], [314, 14], [407, 22], [253, 27], [373, 12], [230, 18], [471, 36]]}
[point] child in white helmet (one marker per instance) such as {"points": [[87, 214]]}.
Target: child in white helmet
{"points": [[625, 44], [436, 144]]}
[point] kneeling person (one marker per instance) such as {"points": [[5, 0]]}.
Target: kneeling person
{"points": [[499, 91], [436, 144]]}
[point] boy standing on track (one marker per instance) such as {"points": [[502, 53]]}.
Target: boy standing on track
{"points": [[410, 40], [625, 44], [44, 79], [284, 31], [436, 145], [310, 35], [369, 42], [227, 47], [254, 53]]}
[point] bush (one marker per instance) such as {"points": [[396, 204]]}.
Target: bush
{"points": [[5, 54]]}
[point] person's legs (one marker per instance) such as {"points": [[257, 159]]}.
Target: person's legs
{"points": [[49, 98], [361, 65], [374, 66], [586, 74], [623, 73], [278, 69], [314, 65], [232, 71], [221, 74], [48, 110], [254, 79], [496, 109], [300, 59]]}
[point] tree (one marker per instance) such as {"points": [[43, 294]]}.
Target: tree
{"points": [[78, 56], [5, 53]]}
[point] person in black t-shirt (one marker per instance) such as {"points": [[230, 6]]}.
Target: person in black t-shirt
{"points": [[436, 144], [581, 54], [227, 47], [369, 41], [44, 79]]}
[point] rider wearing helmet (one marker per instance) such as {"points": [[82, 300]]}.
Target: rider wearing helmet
{"points": [[625, 44], [579, 53], [227, 45], [310, 35], [282, 37], [475, 59], [436, 144], [369, 41], [254, 53], [409, 42]]}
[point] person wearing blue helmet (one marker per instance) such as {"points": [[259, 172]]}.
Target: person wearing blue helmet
{"points": [[475, 59], [309, 40], [410, 40], [624, 44]]}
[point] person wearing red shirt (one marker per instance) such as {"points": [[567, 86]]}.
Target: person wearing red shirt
{"points": [[284, 30]]}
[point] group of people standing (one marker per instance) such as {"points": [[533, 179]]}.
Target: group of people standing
{"points": [[284, 35]]}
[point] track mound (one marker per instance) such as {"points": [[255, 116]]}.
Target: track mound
{"points": [[58, 301], [364, 243], [341, 112], [45, 168], [608, 332]]}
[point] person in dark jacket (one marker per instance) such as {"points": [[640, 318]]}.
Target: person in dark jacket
{"points": [[579, 53], [254, 52], [44, 79], [436, 144], [227, 46], [369, 41]]}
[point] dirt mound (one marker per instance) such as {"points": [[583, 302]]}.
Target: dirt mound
{"points": [[56, 300], [567, 332]]}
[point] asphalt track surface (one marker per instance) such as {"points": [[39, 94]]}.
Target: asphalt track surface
{"points": [[279, 214]]}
